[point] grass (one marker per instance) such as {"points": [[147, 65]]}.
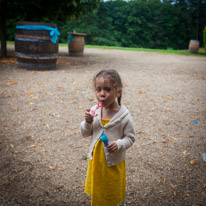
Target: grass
{"points": [[168, 51], [10, 42], [201, 51]]}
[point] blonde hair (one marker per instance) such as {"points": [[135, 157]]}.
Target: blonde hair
{"points": [[114, 78]]}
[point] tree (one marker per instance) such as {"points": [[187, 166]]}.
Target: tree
{"points": [[37, 10], [3, 27], [196, 15]]}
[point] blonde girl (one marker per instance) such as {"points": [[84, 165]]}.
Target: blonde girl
{"points": [[106, 173]]}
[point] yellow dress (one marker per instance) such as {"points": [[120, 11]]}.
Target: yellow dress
{"points": [[106, 185]]}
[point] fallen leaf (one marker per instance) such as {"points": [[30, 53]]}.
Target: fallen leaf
{"points": [[15, 109], [172, 186], [60, 88], [35, 97], [20, 169], [84, 157], [190, 136], [30, 92], [7, 96], [184, 177], [52, 168], [63, 61], [184, 152], [174, 138], [10, 82], [140, 132], [194, 117], [82, 185], [29, 102], [166, 140], [59, 186], [147, 138], [7, 180], [141, 92], [193, 162], [32, 146], [46, 125], [186, 194], [8, 60], [73, 128], [28, 137], [91, 99], [162, 155], [77, 147], [11, 145]]}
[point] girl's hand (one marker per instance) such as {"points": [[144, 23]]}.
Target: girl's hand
{"points": [[112, 147], [88, 117]]}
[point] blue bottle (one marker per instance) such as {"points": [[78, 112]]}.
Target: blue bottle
{"points": [[104, 139]]}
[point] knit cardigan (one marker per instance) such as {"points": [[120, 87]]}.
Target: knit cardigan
{"points": [[119, 129]]}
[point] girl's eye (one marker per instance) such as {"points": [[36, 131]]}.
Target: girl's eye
{"points": [[98, 89], [107, 89]]}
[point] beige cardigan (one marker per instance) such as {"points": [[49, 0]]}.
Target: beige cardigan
{"points": [[119, 129]]}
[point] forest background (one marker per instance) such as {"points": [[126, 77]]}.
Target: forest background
{"points": [[136, 23]]}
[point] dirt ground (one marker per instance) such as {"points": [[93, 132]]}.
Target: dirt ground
{"points": [[43, 158]]}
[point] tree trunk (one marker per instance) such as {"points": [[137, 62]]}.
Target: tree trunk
{"points": [[3, 28]]}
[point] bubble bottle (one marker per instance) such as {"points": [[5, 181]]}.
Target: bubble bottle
{"points": [[104, 139]]}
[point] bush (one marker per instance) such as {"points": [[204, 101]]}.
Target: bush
{"points": [[105, 42], [204, 38]]}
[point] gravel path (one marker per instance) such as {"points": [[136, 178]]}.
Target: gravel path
{"points": [[43, 158]]}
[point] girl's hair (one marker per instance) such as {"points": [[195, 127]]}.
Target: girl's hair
{"points": [[114, 78]]}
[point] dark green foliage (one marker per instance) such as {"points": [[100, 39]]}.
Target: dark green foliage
{"points": [[136, 23], [12, 11], [139, 23], [204, 38]]}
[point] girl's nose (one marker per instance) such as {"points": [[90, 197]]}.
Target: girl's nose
{"points": [[102, 93]]}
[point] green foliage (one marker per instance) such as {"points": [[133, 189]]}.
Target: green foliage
{"points": [[204, 38], [36, 11], [148, 24], [138, 23], [48, 10]]}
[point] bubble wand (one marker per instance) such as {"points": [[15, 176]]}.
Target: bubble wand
{"points": [[94, 109]]}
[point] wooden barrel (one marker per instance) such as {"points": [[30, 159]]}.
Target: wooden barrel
{"points": [[34, 48], [194, 46], [76, 44]]}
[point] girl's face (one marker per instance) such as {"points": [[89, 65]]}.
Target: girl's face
{"points": [[105, 92]]}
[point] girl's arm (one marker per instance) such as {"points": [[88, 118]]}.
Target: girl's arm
{"points": [[129, 136]]}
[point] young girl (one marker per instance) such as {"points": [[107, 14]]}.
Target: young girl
{"points": [[106, 174]]}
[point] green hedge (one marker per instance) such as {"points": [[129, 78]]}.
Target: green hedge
{"points": [[204, 38]]}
